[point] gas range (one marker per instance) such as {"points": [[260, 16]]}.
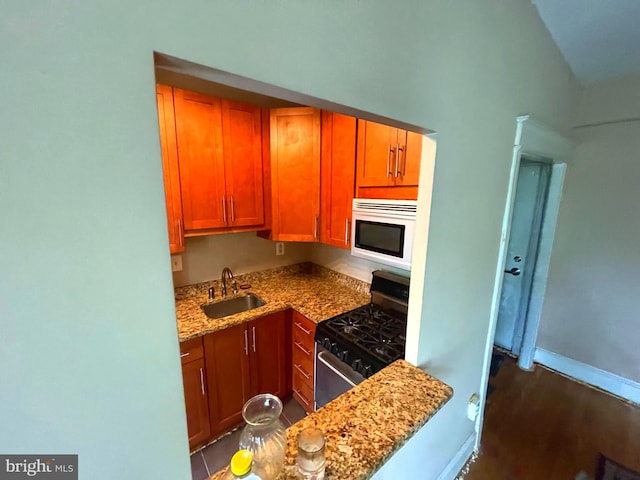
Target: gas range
{"points": [[372, 336]]}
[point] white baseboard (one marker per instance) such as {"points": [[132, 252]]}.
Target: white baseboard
{"points": [[610, 382], [452, 469]]}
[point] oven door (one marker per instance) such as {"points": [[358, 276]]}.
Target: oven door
{"points": [[333, 376]]}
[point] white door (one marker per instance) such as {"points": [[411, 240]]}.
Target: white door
{"points": [[526, 220]]}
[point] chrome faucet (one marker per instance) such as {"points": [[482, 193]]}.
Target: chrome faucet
{"points": [[227, 275]]}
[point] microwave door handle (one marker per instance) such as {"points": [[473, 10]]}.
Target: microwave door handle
{"points": [[322, 357]]}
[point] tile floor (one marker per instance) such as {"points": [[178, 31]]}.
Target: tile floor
{"points": [[209, 460]]}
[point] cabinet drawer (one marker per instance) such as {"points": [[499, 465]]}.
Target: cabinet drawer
{"points": [[303, 391], [303, 346], [303, 331], [303, 366], [191, 350], [302, 323]]}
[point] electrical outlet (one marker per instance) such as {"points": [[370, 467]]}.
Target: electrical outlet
{"points": [[176, 263], [279, 248]]}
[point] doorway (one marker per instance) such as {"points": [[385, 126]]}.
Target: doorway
{"points": [[534, 142], [522, 252]]}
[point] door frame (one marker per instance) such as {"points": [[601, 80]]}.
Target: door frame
{"points": [[532, 251], [534, 140]]}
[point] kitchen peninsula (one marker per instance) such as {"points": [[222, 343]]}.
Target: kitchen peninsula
{"points": [[365, 426]]}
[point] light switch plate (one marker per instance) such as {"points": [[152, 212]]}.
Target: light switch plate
{"points": [[176, 263]]}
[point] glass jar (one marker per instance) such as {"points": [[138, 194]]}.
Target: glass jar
{"points": [[264, 435]]}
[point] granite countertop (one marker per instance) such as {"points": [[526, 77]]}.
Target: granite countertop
{"points": [[366, 425], [316, 292]]}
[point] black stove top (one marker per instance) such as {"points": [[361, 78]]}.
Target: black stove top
{"points": [[367, 338], [370, 337]]}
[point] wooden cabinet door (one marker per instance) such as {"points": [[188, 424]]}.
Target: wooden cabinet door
{"points": [[376, 154], [199, 134], [295, 174], [409, 160], [242, 146], [227, 357], [169, 150], [337, 177], [196, 402], [267, 352]]}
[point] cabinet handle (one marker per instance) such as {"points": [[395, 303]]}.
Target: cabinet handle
{"points": [[254, 339], [301, 370], [315, 228], [224, 210], [185, 354], [389, 161], [306, 352], [299, 325], [233, 210], [246, 344], [346, 231], [302, 397], [180, 236], [397, 159], [402, 149], [202, 381]]}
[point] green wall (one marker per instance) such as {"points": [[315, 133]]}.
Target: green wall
{"points": [[89, 356]]}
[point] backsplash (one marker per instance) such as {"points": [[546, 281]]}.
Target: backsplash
{"points": [[202, 288], [205, 257], [346, 280]]}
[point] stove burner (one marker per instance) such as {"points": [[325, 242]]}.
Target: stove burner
{"points": [[372, 336], [370, 329], [349, 324]]}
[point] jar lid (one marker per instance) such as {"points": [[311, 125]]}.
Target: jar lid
{"points": [[241, 462]]}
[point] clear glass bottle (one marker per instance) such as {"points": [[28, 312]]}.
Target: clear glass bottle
{"points": [[264, 435]]}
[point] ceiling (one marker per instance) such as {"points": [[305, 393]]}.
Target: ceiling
{"points": [[599, 39]]}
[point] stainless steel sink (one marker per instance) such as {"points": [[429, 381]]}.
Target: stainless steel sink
{"points": [[233, 305]]}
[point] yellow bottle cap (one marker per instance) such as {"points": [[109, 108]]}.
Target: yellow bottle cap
{"points": [[241, 462]]}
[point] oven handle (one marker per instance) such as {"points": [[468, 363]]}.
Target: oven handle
{"points": [[322, 356]]}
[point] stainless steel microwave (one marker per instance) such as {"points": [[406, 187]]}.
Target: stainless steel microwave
{"points": [[382, 231]]}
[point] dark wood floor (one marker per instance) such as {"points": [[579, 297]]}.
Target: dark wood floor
{"points": [[542, 426]]}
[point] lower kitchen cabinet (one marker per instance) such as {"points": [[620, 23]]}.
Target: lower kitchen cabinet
{"points": [[243, 361], [268, 360], [195, 391], [303, 353], [226, 353]]}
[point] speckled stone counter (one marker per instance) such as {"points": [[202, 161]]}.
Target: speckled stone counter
{"points": [[366, 425], [315, 292]]}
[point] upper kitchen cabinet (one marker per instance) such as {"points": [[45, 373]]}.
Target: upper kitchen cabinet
{"points": [[242, 148], [220, 158], [169, 149], [199, 133], [295, 174], [388, 162], [338, 178]]}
